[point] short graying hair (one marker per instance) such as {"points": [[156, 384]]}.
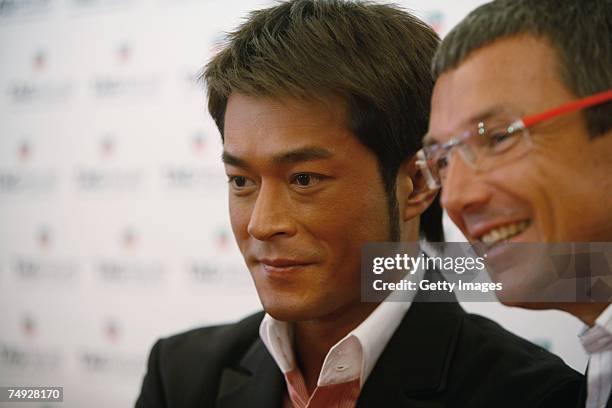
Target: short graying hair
{"points": [[579, 31]]}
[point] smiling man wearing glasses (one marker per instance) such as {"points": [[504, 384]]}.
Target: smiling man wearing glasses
{"points": [[520, 141]]}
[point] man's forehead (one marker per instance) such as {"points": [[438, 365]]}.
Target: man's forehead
{"points": [[493, 80], [272, 127], [257, 108]]}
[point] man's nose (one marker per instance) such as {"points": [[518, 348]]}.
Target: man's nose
{"points": [[271, 215], [463, 189]]}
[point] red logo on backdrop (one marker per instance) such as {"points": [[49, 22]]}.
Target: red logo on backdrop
{"points": [[112, 331], [39, 61], [107, 146], [28, 327], [123, 53], [222, 239], [24, 151], [198, 142], [129, 239], [435, 19], [43, 238]]}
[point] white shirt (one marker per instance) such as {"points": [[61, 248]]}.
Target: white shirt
{"points": [[597, 342], [356, 354]]}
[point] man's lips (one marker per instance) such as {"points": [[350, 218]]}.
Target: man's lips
{"points": [[493, 232], [279, 265]]}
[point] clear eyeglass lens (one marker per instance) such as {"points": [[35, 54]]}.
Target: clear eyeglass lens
{"points": [[491, 145], [500, 143]]}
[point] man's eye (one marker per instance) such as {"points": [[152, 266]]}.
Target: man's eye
{"points": [[306, 179], [238, 181], [442, 161], [501, 140], [499, 137]]}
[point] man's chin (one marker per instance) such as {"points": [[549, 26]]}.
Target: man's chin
{"points": [[293, 309], [533, 296], [529, 305], [286, 309]]}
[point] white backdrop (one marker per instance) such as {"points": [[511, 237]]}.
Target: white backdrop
{"points": [[113, 222]]}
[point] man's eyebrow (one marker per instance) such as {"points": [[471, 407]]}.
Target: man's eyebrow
{"points": [[486, 114], [302, 155], [230, 159], [290, 157]]}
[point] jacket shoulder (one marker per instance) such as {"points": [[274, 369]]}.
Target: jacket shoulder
{"points": [[220, 341], [185, 369], [510, 370]]}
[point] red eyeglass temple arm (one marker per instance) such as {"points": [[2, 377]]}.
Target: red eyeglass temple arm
{"points": [[569, 107]]}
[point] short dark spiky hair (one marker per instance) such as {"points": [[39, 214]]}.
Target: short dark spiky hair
{"points": [[579, 31], [377, 57]]}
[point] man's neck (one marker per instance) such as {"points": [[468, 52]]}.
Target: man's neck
{"points": [[314, 338], [587, 312]]}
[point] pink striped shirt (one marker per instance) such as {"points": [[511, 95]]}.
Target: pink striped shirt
{"points": [[343, 395]]}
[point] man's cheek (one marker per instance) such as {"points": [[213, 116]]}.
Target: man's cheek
{"points": [[239, 217]]}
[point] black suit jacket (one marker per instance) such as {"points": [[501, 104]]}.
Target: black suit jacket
{"points": [[440, 356]]}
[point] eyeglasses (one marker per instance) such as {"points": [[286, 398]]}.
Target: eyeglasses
{"points": [[495, 142]]}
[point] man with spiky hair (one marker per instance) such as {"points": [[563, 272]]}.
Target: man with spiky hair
{"points": [[320, 106], [527, 84]]}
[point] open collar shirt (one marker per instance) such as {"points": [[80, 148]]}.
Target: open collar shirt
{"points": [[347, 364]]}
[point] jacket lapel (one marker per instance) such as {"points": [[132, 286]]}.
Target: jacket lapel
{"points": [[413, 369], [256, 382]]}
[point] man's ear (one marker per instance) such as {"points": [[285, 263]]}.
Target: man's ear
{"points": [[418, 196]]}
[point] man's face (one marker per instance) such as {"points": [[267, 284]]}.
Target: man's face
{"points": [[304, 195], [561, 190]]}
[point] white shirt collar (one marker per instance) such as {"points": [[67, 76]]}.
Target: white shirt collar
{"points": [[598, 338], [597, 342], [357, 353]]}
